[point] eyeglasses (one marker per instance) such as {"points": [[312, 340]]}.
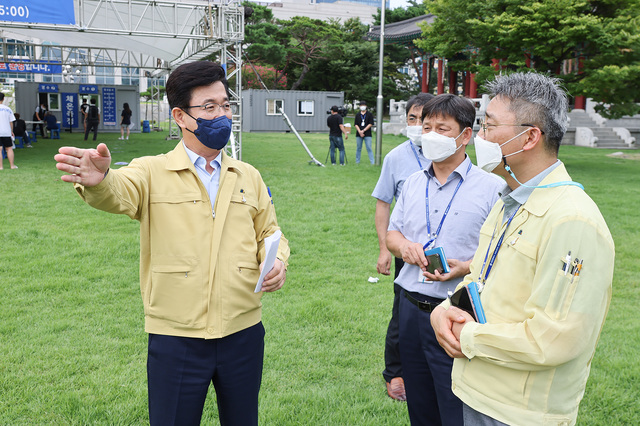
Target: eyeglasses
{"points": [[211, 108], [486, 126], [412, 119]]}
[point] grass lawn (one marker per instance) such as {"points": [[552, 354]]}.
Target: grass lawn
{"points": [[72, 343]]}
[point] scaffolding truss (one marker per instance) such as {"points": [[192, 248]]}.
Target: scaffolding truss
{"points": [[151, 35]]}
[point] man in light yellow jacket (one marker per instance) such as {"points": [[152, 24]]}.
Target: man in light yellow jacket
{"points": [[204, 218], [545, 264]]}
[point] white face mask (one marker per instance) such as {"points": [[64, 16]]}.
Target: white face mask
{"points": [[489, 154], [363, 108], [414, 133], [437, 147]]}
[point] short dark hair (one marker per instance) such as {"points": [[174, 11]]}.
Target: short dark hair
{"points": [[334, 108], [187, 77], [93, 101], [448, 105], [420, 99], [17, 116], [1, 96]]}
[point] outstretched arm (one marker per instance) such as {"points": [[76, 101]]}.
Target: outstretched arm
{"points": [[85, 166]]}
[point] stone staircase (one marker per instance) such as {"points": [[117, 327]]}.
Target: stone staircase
{"points": [[607, 138]]}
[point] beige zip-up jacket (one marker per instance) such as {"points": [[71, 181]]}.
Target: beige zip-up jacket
{"points": [[198, 267], [529, 364]]}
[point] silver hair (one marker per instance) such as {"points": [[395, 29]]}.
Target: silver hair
{"points": [[535, 99]]}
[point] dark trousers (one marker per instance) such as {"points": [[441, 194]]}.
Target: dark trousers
{"points": [[426, 369], [180, 369], [38, 124], [92, 125], [392, 364], [336, 142]]}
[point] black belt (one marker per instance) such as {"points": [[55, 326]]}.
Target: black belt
{"points": [[423, 306]]}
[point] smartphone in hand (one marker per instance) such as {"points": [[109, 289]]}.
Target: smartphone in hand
{"points": [[437, 260]]}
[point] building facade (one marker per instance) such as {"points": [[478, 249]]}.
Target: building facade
{"points": [[325, 9]]}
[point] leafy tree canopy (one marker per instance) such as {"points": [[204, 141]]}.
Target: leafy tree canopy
{"points": [[600, 35], [398, 14], [310, 54]]}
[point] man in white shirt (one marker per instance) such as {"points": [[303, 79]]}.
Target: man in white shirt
{"points": [[6, 131]]}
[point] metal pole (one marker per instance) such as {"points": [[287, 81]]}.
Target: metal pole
{"points": [[379, 108]]}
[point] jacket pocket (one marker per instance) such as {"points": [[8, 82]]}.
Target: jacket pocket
{"points": [[245, 199], [564, 288], [242, 278], [177, 292], [242, 211]]}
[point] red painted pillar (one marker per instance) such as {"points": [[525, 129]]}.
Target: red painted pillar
{"points": [[495, 63], [425, 69], [580, 101], [440, 76], [527, 60], [473, 86]]}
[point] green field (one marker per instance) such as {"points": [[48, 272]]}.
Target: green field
{"points": [[72, 343]]}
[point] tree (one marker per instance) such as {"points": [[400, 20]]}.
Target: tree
{"points": [[408, 52], [267, 74], [309, 40], [347, 65], [350, 65], [398, 14], [267, 42], [596, 38], [309, 54]]}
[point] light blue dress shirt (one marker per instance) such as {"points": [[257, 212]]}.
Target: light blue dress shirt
{"points": [[514, 199], [400, 163], [211, 182], [461, 229]]}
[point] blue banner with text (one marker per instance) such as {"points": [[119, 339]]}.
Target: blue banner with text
{"points": [[26, 66], [69, 110], [88, 89], [109, 106], [48, 88], [38, 11]]}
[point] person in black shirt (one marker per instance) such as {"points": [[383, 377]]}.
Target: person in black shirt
{"points": [[363, 124], [336, 130], [93, 119], [38, 115], [20, 130], [125, 121]]}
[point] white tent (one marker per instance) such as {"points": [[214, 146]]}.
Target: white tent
{"points": [[171, 32], [152, 35]]}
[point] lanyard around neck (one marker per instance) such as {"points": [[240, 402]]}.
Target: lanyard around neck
{"points": [[415, 152], [482, 279], [444, 215]]}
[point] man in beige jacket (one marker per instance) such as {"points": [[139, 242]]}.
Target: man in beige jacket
{"points": [[204, 218]]}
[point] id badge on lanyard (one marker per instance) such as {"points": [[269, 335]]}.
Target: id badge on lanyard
{"points": [[431, 244]]}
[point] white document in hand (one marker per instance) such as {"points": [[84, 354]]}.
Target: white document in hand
{"points": [[271, 244]]}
